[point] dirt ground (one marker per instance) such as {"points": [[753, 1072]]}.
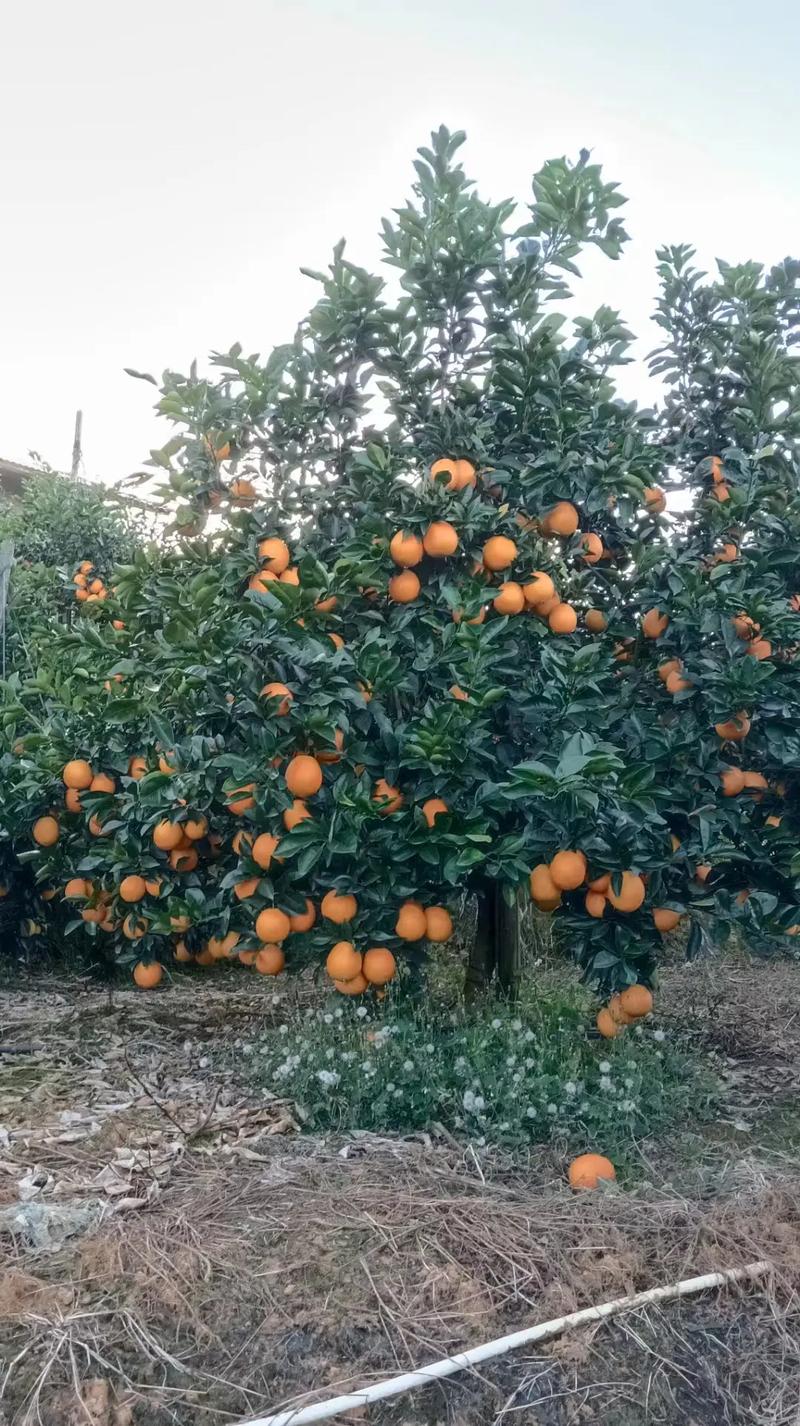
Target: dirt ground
{"points": [[174, 1251]]}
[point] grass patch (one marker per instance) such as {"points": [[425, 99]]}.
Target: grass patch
{"points": [[506, 1075]]}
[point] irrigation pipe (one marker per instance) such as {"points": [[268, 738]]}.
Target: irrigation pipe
{"points": [[379, 1391]]}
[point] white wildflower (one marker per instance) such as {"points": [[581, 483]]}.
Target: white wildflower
{"points": [[659, 1035], [408, 1066], [362, 1012], [530, 1112], [328, 1078], [571, 1088], [496, 1024], [604, 1067]]}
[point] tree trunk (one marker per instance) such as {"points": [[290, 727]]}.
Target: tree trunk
{"points": [[496, 950], [481, 963], [508, 943]]}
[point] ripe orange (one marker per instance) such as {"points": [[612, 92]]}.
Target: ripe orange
{"points": [[274, 554], [595, 904], [336, 640], [304, 920], [755, 782], [510, 598], [96, 827], [405, 549], [499, 552], [168, 763], [338, 909], [77, 888], [655, 500], [325, 606], [545, 609], [221, 947], [568, 870], [432, 808], [716, 469], [588, 1170], [440, 540], [242, 842], [458, 693], [561, 520], [458, 614], [134, 927], [676, 683], [720, 493], [272, 925], [241, 491], [117, 624], [356, 986], [82, 595], [461, 472], [636, 1001], [343, 961], [195, 828], [744, 626], [303, 776], [703, 871], [72, 800], [246, 958], [182, 953], [539, 588], [280, 692], [260, 581], [148, 975], [94, 914], [390, 798], [404, 588], [326, 755], [204, 958], [167, 836], [137, 768], [298, 812], [241, 800], [654, 623], [45, 831], [183, 859], [664, 919], [411, 924], [773, 821], [264, 848], [595, 621], [550, 903], [563, 619], [601, 883], [438, 924], [618, 1015], [733, 782], [290, 576], [759, 649], [132, 888], [543, 888], [630, 895], [734, 729], [379, 965], [728, 553], [270, 960], [592, 548], [606, 1024], [102, 782], [668, 667], [77, 774], [243, 890]]}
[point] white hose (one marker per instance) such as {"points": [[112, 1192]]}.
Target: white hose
{"points": [[322, 1410]]}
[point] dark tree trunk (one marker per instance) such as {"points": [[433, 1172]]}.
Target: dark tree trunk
{"points": [[496, 950], [508, 943]]}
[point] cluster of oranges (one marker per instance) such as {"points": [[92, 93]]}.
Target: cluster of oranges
{"points": [[89, 587], [568, 871], [624, 1009]]}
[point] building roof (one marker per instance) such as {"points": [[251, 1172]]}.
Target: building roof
{"points": [[12, 474]]}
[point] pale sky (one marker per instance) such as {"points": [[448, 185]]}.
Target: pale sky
{"points": [[167, 166]]}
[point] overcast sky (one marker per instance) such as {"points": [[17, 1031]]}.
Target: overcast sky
{"points": [[167, 166]]}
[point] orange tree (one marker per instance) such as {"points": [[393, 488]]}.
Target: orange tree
{"points": [[390, 655]]}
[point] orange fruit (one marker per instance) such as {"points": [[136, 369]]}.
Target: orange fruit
{"points": [[561, 520], [298, 812], [600, 883], [280, 692], [72, 800], [654, 623], [668, 667], [183, 859], [243, 890], [458, 693], [618, 1015], [132, 888], [338, 909], [539, 588], [411, 924], [664, 919], [720, 493], [77, 775], [326, 755], [458, 615], [77, 888], [137, 768], [242, 842], [676, 683], [82, 595], [241, 491], [260, 581], [379, 965], [356, 986], [568, 870], [588, 1170], [732, 780], [595, 621], [182, 953], [168, 763], [272, 925], [745, 628], [432, 808], [195, 828], [759, 649], [270, 960], [755, 782], [773, 821], [220, 947], [440, 540], [595, 904], [167, 836], [246, 958], [655, 500], [343, 961], [636, 1001], [96, 827], [204, 958], [630, 895], [405, 549], [102, 782], [94, 914], [499, 552], [716, 469], [438, 924], [241, 799], [461, 472], [290, 576], [134, 927], [304, 920], [543, 888], [703, 871], [148, 975], [563, 619], [325, 606], [390, 798], [404, 588], [274, 554], [45, 831], [509, 599], [734, 729], [606, 1024], [592, 548], [263, 850], [727, 554], [303, 776], [336, 640]]}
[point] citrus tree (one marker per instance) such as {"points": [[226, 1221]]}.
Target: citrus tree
{"points": [[392, 654]]}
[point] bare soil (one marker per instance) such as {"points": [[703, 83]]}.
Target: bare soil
{"points": [[174, 1251]]}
